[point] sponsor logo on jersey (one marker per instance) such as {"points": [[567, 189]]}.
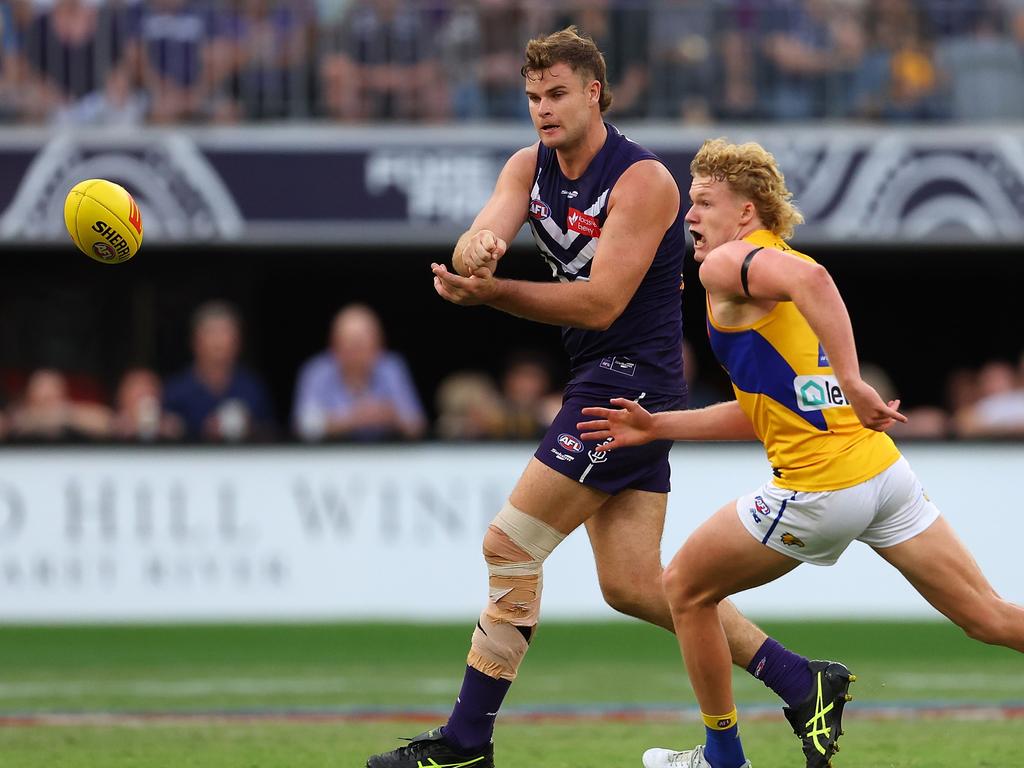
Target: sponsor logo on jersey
{"points": [[578, 221], [792, 541], [816, 393], [621, 365], [562, 456], [539, 210], [570, 194], [570, 443]]}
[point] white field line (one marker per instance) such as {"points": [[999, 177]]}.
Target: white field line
{"points": [[207, 686]]}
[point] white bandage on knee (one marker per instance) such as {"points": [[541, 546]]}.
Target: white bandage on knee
{"points": [[515, 548]]}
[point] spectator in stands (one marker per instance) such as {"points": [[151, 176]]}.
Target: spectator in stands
{"points": [[984, 69], [924, 421], [185, 61], [814, 50], [77, 64], [469, 407], [357, 390], [621, 32], [140, 414], [459, 52], [383, 66], [216, 398], [683, 51], [10, 59], [270, 45], [505, 26], [47, 412], [528, 403], [897, 79], [999, 411]]}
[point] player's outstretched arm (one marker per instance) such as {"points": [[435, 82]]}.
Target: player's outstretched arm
{"points": [[629, 423], [485, 242], [776, 276]]}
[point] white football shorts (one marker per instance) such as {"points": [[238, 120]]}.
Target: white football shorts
{"points": [[817, 526]]}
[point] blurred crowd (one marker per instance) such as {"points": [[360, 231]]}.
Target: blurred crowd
{"points": [[359, 390], [105, 62]]}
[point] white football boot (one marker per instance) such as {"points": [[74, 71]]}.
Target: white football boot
{"points": [[667, 758]]}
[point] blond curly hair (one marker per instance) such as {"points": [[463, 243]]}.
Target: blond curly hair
{"points": [[751, 172]]}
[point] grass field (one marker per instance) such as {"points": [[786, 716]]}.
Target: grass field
{"points": [[589, 695]]}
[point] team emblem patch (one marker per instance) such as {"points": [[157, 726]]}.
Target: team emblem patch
{"points": [[570, 443], [792, 541]]}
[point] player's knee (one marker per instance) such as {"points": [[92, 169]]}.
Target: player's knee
{"points": [[515, 548], [682, 591], [623, 597]]}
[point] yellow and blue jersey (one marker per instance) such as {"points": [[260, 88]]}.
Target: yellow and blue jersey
{"points": [[784, 382]]}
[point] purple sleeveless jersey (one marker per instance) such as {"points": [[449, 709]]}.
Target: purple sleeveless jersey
{"points": [[640, 356], [642, 349]]}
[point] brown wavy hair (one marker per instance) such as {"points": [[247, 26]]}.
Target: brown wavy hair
{"points": [[567, 46], [751, 172]]}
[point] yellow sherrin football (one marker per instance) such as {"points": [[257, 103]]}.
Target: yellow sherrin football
{"points": [[103, 220]]}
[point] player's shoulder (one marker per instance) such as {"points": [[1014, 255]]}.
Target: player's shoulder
{"points": [[648, 177], [521, 165]]}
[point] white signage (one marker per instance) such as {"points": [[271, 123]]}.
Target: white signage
{"points": [[345, 533]]}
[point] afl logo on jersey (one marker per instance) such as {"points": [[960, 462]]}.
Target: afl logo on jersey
{"points": [[539, 210], [570, 443]]}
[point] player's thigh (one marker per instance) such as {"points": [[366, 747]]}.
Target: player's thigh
{"points": [[625, 534], [549, 496], [939, 566], [722, 558]]}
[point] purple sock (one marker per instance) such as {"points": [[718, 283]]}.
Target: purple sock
{"points": [[472, 721], [783, 671]]}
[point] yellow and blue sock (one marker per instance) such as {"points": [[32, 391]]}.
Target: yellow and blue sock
{"points": [[723, 748]]}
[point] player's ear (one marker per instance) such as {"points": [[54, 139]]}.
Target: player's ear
{"points": [[747, 212], [594, 92]]}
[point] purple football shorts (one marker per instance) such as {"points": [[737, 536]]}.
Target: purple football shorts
{"points": [[642, 467]]}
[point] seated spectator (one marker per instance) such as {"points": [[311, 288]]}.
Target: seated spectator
{"points": [[357, 390], [985, 69], [216, 398], [897, 79], [622, 35], [814, 50], [140, 414], [528, 403], [383, 66], [469, 407], [999, 411], [269, 47], [923, 421], [184, 60], [77, 67], [47, 412]]}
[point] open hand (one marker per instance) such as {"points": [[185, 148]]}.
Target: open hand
{"points": [[628, 424], [464, 291]]}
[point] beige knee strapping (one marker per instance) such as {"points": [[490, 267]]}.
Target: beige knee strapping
{"points": [[515, 548]]}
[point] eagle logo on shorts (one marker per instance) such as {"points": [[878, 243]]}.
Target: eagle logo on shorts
{"points": [[791, 541]]}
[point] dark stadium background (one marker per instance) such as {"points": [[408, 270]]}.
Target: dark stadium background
{"points": [[917, 312]]}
